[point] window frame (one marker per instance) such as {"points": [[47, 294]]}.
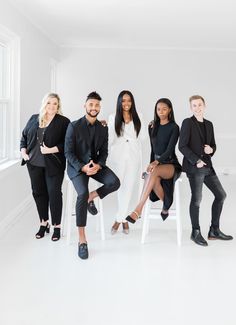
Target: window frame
{"points": [[11, 120]]}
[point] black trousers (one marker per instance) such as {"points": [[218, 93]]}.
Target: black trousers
{"points": [[208, 177], [110, 183], [47, 192]]}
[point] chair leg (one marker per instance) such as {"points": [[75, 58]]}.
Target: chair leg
{"points": [[69, 202], [145, 221], [178, 216], [64, 219], [101, 219]]}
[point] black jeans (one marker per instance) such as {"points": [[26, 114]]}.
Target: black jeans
{"points": [[46, 191], [110, 183], [208, 177]]}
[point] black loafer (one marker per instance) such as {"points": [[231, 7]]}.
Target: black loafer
{"points": [[216, 233], [196, 236], [83, 251], [92, 208]]}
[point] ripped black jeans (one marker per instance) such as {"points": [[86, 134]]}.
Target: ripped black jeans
{"points": [[208, 177]]}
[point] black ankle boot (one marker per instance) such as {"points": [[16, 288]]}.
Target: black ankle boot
{"points": [[216, 233], [196, 236], [40, 234]]}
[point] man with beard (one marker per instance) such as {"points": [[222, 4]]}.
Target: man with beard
{"points": [[86, 150]]}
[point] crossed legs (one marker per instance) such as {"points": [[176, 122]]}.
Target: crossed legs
{"points": [[153, 182]]}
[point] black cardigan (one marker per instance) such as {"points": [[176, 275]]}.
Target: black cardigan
{"points": [[54, 136], [191, 143]]}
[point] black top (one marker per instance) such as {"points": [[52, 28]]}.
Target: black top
{"points": [[91, 131], [36, 157], [163, 140], [202, 129]]}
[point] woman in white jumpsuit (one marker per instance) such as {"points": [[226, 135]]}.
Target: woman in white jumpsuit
{"points": [[125, 154]]}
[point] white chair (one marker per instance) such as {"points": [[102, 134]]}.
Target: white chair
{"points": [[69, 212], [151, 212]]}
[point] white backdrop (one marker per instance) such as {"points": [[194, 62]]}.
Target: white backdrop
{"points": [[151, 74]]}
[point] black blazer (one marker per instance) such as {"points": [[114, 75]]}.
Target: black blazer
{"points": [[191, 143], [78, 147], [54, 136]]}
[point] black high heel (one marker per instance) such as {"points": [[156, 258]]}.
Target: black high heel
{"points": [[128, 218], [164, 215], [40, 234], [56, 234]]}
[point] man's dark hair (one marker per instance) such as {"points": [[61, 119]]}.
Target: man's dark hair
{"points": [[94, 95]]}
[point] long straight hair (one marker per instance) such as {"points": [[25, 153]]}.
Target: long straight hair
{"points": [[171, 116], [42, 111], [119, 120]]}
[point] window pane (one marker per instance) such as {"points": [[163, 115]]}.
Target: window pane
{"points": [[3, 71], [3, 130]]}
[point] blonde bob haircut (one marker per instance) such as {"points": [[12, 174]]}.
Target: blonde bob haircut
{"points": [[42, 111]]}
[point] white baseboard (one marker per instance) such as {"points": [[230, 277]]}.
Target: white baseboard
{"points": [[15, 214]]}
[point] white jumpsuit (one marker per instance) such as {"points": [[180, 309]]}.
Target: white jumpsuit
{"points": [[125, 159]]}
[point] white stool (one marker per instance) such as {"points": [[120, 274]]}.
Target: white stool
{"points": [[69, 212], [151, 212]]}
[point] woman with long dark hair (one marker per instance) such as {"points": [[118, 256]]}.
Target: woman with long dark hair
{"points": [[164, 167], [125, 133]]}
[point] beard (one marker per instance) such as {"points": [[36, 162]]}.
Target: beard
{"points": [[92, 115]]}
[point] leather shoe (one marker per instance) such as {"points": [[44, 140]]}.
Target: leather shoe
{"points": [[196, 236], [92, 208], [216, 233], [83, 251]]}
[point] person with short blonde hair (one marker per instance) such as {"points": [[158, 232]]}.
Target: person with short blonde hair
{"points": [[197, 144]]}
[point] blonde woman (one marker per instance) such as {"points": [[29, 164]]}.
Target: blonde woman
{"points": [[42, 149]]}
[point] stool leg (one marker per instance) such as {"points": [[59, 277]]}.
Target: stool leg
{"points": [[178, 218], [98, 215], [101, 217], [64, 219], [69, 203], [145, 221]]}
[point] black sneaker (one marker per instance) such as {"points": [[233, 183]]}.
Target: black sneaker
{"points": [[83, 251], [92, 208]]}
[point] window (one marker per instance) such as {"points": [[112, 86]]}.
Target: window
{"points": [[9, 95]]}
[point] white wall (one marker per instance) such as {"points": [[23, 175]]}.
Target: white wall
{"points": [[151, 74], [36, 53]]}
